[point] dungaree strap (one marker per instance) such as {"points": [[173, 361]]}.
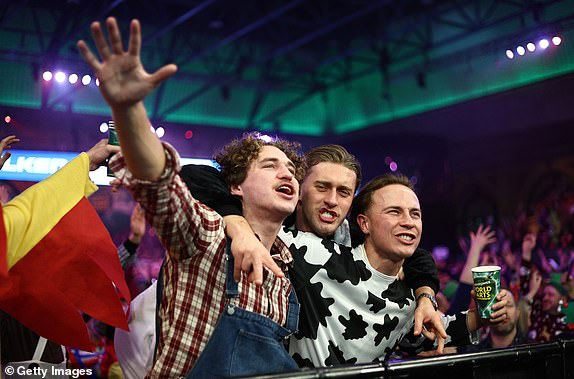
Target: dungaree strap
{"points": [[293, 312], [158, 298], [231, 288], [39, 349]]}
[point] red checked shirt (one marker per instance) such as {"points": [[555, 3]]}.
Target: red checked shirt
{"points": [[195, 270]]}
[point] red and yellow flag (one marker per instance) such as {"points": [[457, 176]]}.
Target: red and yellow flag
{"points": [[59, 260]]}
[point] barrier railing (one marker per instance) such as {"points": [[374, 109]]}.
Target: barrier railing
{"points": [[552, 360]]}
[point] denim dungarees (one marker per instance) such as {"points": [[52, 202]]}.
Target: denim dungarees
{"points": [[244, 342]]}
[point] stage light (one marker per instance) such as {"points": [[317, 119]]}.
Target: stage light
{"points": [[104, 127], [86, 79], [393, 166], [97, 82], [73, 78], [60, 77], [543, 43], [556, 40], [520, 50], [509, 54], [531, 47], [160, 132], [47, 76], [188, 134], [7, 119]]}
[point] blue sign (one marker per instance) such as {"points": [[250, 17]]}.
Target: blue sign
{"points": [[35, 165]]}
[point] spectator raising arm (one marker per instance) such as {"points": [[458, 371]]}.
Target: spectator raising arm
{"points": [[124, 83]]}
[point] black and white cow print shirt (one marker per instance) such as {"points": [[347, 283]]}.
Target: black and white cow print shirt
{"points": [[350, 312]]}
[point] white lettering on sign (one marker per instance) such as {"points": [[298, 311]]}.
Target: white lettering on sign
{"points": [[35, 165]]}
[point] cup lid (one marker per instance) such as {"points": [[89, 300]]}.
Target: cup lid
{"points": [[485, 268]]}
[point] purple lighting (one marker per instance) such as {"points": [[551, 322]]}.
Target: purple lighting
{"points": [[531, 47], [543, 43], [47, 76], [60, 77], [393, 166], [509, 54]]}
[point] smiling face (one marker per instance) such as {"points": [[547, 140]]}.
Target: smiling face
{"points": [[392, 223], [270, 190], [550, 299], [326, 197]]}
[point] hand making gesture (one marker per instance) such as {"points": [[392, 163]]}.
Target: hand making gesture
{"points": [[123, 79]]}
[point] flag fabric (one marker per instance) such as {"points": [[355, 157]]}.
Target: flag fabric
{"points": [[60, 260], [3, 254]]}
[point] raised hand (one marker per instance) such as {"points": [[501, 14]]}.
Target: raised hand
{"points": [[123, 79], [483, 236], [528, 243], [6, 143], [534, 284], [99, 152], [137, 224]]}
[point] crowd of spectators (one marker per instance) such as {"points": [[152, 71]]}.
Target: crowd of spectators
{"points": [[535, 252]]}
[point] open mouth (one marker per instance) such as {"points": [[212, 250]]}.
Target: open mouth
{"points": [[327, 215], [406, 237], [286, 189]]}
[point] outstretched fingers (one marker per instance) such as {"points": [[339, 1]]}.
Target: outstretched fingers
{"points": [[88, 56], [114, 35], [163, 73], [100, 40], [135, 42]]}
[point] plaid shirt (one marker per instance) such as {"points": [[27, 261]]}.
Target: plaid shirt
{"points": [[195, 269]]}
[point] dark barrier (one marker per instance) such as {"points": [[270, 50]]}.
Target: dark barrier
{"points": [[553, 360], [540, 361], [567, 345]]}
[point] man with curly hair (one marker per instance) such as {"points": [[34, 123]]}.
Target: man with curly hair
{"points": [[210, 325]]}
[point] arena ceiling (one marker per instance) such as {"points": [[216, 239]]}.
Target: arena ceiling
{"points": [[314, 67]]}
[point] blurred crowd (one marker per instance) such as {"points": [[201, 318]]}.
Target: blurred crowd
{"points": [[535, 252]]}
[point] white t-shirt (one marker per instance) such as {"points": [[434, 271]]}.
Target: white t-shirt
{"points": [[134, 349]]}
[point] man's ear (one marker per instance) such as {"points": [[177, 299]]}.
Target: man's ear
{"points": [[236, 190], [363, 222]]}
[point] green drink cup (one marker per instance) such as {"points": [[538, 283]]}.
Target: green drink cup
{"points": [[486, 287], [112, 140]]}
